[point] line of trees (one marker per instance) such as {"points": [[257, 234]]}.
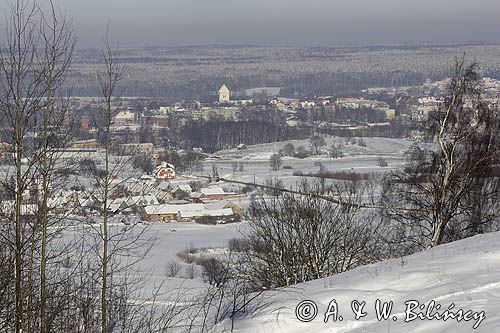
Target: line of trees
{"points": [[37, 51], [218, 135], [61, 272]]}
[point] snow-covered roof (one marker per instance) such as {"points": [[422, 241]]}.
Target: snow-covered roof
{"points": [[172, 209], [178, 202], [212, 190], [219, 204], [57, 202], [142, 200], [196, 195], [186, 188], [125, 115], [212, 212], [163, 185], [187, 210]]}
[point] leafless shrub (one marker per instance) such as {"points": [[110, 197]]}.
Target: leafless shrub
{"points": [[215, 272], [172, 269], [238, 245], [382, 162], [342, 175], [295, 238]]}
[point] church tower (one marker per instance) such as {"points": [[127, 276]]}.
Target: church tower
{"points": [[223, 94]]}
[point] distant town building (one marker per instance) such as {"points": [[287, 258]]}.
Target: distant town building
{"points": [[85, 122], [123, 118], [160, 120], [82, 144], [224, 94], [136, 148], [223, 112]]}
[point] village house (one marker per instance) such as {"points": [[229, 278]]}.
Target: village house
{"points": [[91, 143], [186, 212], [165, 171], [224, 204], [182, 192], [213, 193]]}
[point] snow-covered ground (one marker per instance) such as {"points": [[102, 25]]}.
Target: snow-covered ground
{"points": [[173, 237], [375, 146], [255, 159], [157, 246], [464, 273]]}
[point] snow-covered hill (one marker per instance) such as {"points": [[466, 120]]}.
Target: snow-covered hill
{"points": [[464, 275]]}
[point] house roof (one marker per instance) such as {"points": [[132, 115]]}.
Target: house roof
{"points": [[213, 190], [178, 202], [219, 204], [163, 185], [213, 212], [186, 188], [125, 115], [187, 210], [172, 209], [142, 200]]}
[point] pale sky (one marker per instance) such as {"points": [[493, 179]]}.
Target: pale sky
{"points": [[283, 22]]}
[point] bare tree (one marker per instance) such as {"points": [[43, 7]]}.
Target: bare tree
{"points": [[20, 100], [172, 268], [33, 63], [234, 166], [58, 42], [317, 142], [430, 199], [108, 83], [288, 150], [382, 162], [275, 162], [335, 151]]}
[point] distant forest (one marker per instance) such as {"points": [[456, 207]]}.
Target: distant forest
{"points": [[195, 73]]}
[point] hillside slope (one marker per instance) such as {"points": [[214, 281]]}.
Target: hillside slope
{"points": [[465, 274]]}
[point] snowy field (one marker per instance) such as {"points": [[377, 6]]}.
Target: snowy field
{"points": [[464, 273], [255, 159], [164, 241], [174, 237]]}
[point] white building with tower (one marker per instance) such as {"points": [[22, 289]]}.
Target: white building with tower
{"points": [[224, 94]]}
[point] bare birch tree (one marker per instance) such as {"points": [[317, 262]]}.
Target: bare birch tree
{"points": [[430, 199], [21, 96], [108, 82]]}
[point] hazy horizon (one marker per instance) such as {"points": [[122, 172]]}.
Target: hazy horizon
{"points": [[336, 23]]}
